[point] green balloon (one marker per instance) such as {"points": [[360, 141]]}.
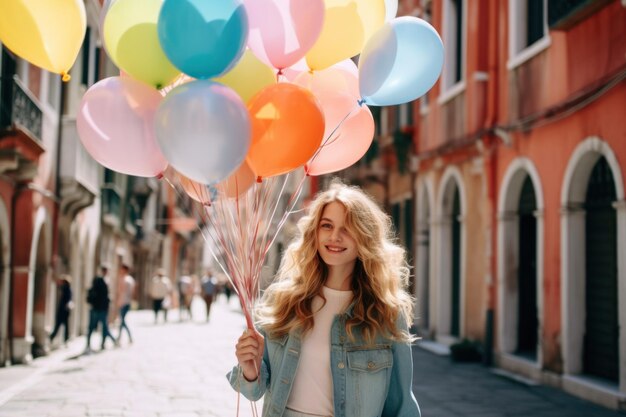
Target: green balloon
{"points": [[131, 39]]}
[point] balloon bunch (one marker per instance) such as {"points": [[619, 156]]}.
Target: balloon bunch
{"points": [[233, 93], [270, 82]]}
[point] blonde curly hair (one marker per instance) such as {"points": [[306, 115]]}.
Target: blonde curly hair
{"points": [[379, 279]]}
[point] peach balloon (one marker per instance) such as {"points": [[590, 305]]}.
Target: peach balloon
{"points": [[287, 129], [341, 77], [349, 130], [238, 183], [195, 190]]}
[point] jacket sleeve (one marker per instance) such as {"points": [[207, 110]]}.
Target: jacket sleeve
{"points": [[400, 400], [252, 390]]}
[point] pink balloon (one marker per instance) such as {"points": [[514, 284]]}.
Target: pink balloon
{"points": [[341, 77], [348, 135], [281, 32], [115, 123]]}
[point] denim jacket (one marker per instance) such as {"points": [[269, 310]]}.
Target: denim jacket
{"points": [[368, 380]]}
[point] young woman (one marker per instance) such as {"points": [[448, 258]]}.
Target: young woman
{"points": [[333, 338]]}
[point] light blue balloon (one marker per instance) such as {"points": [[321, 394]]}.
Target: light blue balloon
{"points": [[203, 38], [400, 62], [203, 130]]}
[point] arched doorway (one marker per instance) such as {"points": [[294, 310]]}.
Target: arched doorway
{"points": [[527, 323], [593, 280], [455, 258], [451, 254], [520, 269], [601, 347]]}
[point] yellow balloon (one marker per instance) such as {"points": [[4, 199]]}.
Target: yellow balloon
{"points": [[46, 33], [348, 24], [131, 39], [248, 77]]}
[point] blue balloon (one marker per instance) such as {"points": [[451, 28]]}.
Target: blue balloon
{"points": [[203, 130], [203, 39], [400, 62]]}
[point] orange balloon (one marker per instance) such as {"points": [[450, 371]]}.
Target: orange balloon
{"points": [[239, 182], [287, 129]]}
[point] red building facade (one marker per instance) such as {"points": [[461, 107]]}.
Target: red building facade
{"points": [[517, 220], [522, 155]]}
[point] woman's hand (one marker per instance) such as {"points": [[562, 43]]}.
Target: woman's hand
{"points": [[249, 352]]}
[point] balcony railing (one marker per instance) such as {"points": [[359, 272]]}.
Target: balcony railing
{"points": [[18, 108], [76, 163]]}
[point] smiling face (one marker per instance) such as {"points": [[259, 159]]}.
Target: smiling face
{"points": [[335, 245]]}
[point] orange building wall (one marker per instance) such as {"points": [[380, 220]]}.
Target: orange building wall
{"points": [[550, 149], [578, 59]]}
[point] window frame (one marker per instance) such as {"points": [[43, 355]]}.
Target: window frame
{"points": [[48, 79], [517, 34], [450, 88]]}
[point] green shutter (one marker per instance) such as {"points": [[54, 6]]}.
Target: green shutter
{"points": [[527, 324], [456, 265], [600, 351]]}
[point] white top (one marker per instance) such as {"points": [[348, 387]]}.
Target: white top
{"points": [[160, 288], [312, 390], [128, 285]]}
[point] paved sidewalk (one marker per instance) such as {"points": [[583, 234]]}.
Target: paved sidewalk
{"points": [[172, 370], [447, 389], [178, 370]]}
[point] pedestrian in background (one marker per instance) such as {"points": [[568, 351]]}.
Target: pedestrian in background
{"points": [[98, 298], [127, 290], [160, 289], [64, 306], [185, 295], [228, 290], [209, 287], [334, 336]]}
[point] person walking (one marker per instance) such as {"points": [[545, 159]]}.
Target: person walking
{"points": [[333, 331], [98, 298], [160, 289], [228, 291], [209, 287], [185, 289], [64, 307], [127, 290]]}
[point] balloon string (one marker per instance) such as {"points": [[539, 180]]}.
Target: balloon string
{"points": [[204, 235]]}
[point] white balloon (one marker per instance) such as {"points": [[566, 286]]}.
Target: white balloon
{"points": [[203, 129]]}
